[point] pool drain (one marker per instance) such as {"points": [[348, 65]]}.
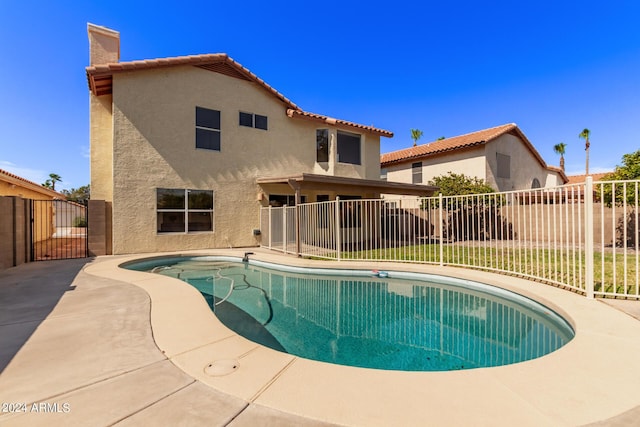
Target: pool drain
{"points": [[219, 368]]}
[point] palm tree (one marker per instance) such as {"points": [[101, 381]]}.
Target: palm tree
{"points": [[54, 178], [560, 149], [585, 135], [416, 134]]}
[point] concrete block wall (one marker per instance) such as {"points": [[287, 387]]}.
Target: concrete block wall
{"points": [[16, 236], [15, 231], [99, 228]]}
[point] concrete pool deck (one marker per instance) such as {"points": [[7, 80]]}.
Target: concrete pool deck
{"points": [[93, 344]]}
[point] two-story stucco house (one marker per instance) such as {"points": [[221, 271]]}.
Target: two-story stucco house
{"points": [[185, 151], [502, 156]]}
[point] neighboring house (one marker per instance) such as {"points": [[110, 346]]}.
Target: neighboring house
{"points": [[579, 179], [575, 190], [185, 151], [502, 156], [13, 185], [43, 221]]}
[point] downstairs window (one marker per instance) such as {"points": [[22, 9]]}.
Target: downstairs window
{"points": [[184, 211]]}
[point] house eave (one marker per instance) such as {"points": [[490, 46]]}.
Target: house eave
{"points": [[307, 181], [29, 185], [325, 120]]}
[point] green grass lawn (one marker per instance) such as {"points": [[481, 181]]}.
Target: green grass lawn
{"points": [[554, 265]]}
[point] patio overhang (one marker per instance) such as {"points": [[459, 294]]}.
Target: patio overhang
{"points": [[306, 181]]}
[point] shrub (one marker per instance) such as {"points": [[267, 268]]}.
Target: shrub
{"points": [[80, 221]]}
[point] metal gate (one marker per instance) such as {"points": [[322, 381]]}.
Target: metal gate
{"points": [[58, 230]]}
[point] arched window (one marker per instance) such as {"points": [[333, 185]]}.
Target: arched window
{"points": [[535, 183]]}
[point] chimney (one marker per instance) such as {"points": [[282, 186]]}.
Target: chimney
{"points": [[104, 45]]}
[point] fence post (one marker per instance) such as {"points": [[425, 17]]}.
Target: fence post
{"points": [[284, 229], [298, 250], [270, 228], [440, 199], [588, 236], [338, 229]]}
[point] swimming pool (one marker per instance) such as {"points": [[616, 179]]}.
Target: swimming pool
{"points": [[407, 321]]}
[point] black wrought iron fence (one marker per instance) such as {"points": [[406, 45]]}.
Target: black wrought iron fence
{"points": [[58, 230]]}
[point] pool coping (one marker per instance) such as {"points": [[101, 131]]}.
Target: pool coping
{"points": [[592, 378]]}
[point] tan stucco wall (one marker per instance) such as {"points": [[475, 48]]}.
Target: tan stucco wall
{"points": [[104, 45], [101, 141], [469, 162], [154, 147], [371, 156], [369, 150], [553, 179], [524, 166]]}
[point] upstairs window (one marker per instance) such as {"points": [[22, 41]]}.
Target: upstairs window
{"points": [[260, 122], [253, 120], [207, 129], [416, 173], [383, 174], [184, 211], [504, 165], [322, 145], [246, 119], [349, 148]]}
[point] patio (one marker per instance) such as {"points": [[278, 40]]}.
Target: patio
{"points": [[104, 346]]}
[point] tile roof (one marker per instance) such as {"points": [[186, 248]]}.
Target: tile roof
{"points": [[337, 122], [445, 145], [461, 142], [100, 80], [579, 179], [100, 76], [12, 178]]}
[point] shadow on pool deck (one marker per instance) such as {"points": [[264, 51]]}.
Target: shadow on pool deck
{"points": [[84, 343], [28, 294]]}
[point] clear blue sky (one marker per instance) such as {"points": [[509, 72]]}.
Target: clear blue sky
{"points": [[447, 68]]}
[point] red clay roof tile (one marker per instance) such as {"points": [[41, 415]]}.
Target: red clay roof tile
{"points": [[337, 122], [106, 71], [460, 142], [445, 145], [579, 179]]}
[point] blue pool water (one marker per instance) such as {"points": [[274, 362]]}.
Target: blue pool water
{"points": [[354, 318]]}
